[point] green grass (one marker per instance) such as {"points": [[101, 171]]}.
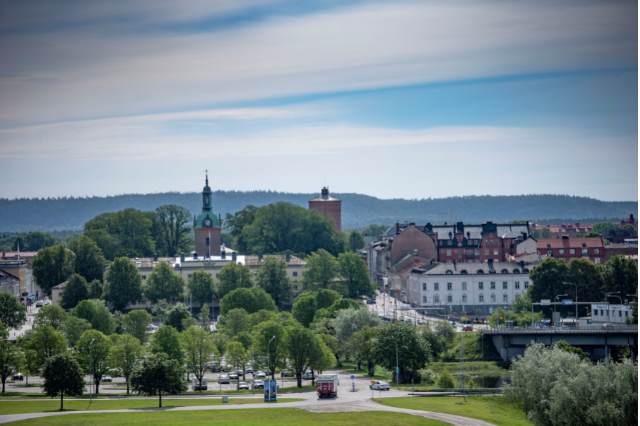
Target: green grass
{"points": [[472, 347], [493, 409], [268, 417], [18, 407]]}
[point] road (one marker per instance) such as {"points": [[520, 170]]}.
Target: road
{"points": [[363, 399]]}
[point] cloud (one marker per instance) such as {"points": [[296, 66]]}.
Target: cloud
{"points": [[76, 73]]}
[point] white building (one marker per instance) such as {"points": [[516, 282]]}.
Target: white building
{"points": [[473, 288], [602, 313]]}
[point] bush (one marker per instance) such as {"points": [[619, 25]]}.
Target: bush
{"points": [[470, 384], [445, 381], [428, 377]]}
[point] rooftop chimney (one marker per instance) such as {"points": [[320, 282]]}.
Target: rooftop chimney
{"points": [[155, 257], [287, 255], [397, 228], [182, 258], [260, 256], [223, 254], [233, 256], [195, 256]]}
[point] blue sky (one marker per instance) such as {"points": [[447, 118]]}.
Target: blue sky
{"points": [[391, 99]]}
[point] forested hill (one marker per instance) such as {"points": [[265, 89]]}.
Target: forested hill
{"points": [[357, 210]]}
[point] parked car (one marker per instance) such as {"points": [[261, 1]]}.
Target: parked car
{"points": [[39, 304], [453, 324], [152, 327], [371, 301], [243, 385], [287, 373], [407, 320], [258, 384], [233, 375], [106, 379], [261, 375], [239, 371], [215, 367], [608, 326], [18, 377], [307, 375], [224, 378], [249, 369], [467, 328], [380, 386], [47, 302]]}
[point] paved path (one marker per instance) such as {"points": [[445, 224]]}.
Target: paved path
{"points": [[346, 401]]}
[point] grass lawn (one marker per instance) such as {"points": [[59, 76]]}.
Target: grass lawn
{"points": [[267, 417], [493, 409], [17, 407]]}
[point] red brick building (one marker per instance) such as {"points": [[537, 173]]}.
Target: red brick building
{"points": [[567, 248], [571, 229], [332, 207], [632, 221]]}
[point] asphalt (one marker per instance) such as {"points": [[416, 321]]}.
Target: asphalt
{"points": [[361, 400]]}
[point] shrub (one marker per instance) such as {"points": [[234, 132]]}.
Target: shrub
{"points": [[445, 381]]}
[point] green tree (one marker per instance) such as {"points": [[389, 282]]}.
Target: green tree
{"points": [[198, 350], [10, 358], [52, 266], [124, 355], [220, 341], [232, 276], [547, 280], [620, 274], [445, 381], [276, 350], [261, 316], [413, 350], [51, 315], [250, 299], [62, 375], [34, 241], [272, 278], [238, 356], [356, 242], [356, 275], [204, 316], [73, 328], [374, 230], [603, 228], [361, 343], [348, 321], [591, 235], [301, 344], [157, 374], [564, 346], [118, 320], [75, 291], [236, 321], [96, 288], [166, 340], [89, 261], [633, 232], [201, 286], [163, 283], [236, 224], [45, 342], [588, 278], [177, 315], [12, 313], [321, 359], [93, 354], [136, 323], [161, 310], [175, 222], [542, 233], [342, 304], [304, 308], [97, 314], [322, 268], [326, 298], [124, 284]]}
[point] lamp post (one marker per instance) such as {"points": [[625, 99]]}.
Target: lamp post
{"points": [[576, 297], [554, 306], [397, 364], [613, 295], [269, 360]]}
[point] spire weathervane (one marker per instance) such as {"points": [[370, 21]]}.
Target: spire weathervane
{"points": [[207, 176]]}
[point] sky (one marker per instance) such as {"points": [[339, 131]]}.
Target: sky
{"points": [[390, 99]]}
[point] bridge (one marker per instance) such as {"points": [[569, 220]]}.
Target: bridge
{"points": [[595, 340]]}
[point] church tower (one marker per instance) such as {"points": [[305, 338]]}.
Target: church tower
{"points": [[207, 226]]}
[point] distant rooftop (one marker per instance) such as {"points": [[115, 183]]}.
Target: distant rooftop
{"points": [[324, 196]]}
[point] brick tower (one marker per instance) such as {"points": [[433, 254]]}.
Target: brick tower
{"points": [[330, 206], [207, 226]]}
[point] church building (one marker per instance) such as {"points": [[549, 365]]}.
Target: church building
{"points": [[207, 226]]}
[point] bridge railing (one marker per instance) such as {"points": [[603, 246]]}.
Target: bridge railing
{"points": [[609, 328]]}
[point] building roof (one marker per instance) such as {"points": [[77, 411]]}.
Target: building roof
{"points": [[476, 232], [565, 228], [480, 268], [545, 243], [14, 254], [249, 260]]}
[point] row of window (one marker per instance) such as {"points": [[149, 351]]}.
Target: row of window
{"points": [[505, 286], [595, 313], [585, 251], [294, 273], [449, 299], [469, 242]]}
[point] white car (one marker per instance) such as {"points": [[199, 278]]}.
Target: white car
{"points": [[47, 302], [233, 375], [378, 385], [261, 375]]}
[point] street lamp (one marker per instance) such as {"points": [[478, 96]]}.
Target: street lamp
{"points": [[397, 364], [613, 294], [576, 297], [273, 371], [554, 306]]}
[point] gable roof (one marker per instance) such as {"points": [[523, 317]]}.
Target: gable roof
{"points": [[551, 243]]}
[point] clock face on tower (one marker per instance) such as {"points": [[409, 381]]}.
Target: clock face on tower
{"points": [[207, 222]]}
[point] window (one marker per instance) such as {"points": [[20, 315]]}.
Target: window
{"points": [[295, 287], [585, 252], [464, 286], [464, 299], [436, 286], [436, 299], [470, 252], [424, 287], [506, 245], [526, 285], [480, 286], [493, 286], [550, 252], [486, 241], [486, 252], [295, 273], [597, 259], [595, 312], [572, 251], [505, 286], [493, 298], [495, 252], [450, 242], [207, 241], [561, 251], [449, 252], [517, 284], [188, 275], [216, 275], [619, 313], [442, 251], [596, 251], [626, 313], [449, 299], [505, 298], [476, 252], [449, 286], [481, 298], [424, 299]]}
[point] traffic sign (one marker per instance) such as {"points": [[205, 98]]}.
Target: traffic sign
{"points": [[353, 377], [567, 301], [373, 382], [397, 370], [545, 302]]}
